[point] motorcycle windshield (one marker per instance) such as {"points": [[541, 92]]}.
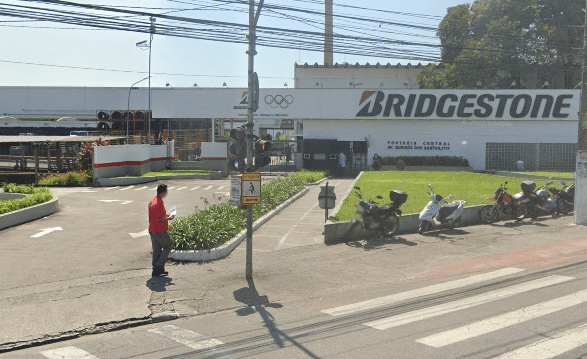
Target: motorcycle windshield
{"points": [[430, 211]]}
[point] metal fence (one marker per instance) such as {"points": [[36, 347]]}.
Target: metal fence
{"points": [[560, 157]]}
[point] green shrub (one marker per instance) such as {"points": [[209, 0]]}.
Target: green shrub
{"points": [[216, 224], [35, 196], [69, 179]]}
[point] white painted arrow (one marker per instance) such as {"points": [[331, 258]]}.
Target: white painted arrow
{"points": [[46, 231], [141, 234]]}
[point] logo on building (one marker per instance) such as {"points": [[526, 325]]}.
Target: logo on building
{"points": [[244, 102], [371, 102], [279, 101]]}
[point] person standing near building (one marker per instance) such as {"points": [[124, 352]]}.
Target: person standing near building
{"points": [[342, 164], [158, 227]]}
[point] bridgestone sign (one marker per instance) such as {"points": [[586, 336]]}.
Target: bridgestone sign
{"points": [[325, 104]]}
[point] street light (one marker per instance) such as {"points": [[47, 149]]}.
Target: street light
{"points": [[168, 85], [128, 105], [143, 45]]}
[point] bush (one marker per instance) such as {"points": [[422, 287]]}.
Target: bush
{"points": [[216, 224], [70, 179], [35, 196], [445, 161]]}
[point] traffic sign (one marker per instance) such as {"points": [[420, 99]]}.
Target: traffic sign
{"points": [[235, 190], [251, 188]]}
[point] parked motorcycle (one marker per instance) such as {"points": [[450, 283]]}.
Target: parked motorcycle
{"points": [[539, 202], [439, 214], [504, 205], [564, 197], [383, 220]]}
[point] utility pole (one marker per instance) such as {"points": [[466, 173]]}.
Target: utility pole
{"points": [[328, 34], [152, 31], [581, 169], [253, 19]]}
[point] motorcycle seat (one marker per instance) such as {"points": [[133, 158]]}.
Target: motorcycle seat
{"points": [[387, 208], [445, 212]]}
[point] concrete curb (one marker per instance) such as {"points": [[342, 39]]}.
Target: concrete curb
{"points": [[127, 181], [320, 182], [227, 248], [339, 232], [427, 168], [25, 215], [346, 195], [529, 176]]}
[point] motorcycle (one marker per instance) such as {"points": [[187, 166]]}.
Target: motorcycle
{"points": [[564, 197], [383, 220], [539, 202], [438, 213], [504, 205]]}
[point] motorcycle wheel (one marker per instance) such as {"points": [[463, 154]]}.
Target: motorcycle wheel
{"points": [[565, 207], [389, 226], [488, 214], [520, 212], [456, 223], [423, 227]]}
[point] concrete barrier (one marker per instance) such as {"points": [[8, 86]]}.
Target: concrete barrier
{"points": [[339, 232], [11, 196], [28, 214], [128, 181]]}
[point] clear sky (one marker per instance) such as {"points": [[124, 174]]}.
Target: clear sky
{"points": [[211, 63]]}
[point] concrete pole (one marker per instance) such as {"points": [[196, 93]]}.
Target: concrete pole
{"points": [[581, 169], [328, 34], [36, 163], [213, 130]]}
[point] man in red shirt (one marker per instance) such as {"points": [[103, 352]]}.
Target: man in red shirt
{"points": [[158, 226]]}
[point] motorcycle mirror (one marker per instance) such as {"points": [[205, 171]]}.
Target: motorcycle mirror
{"points": [[358, 188], [506, 182], [550, 178], [379, 197], [431, 187], [450, 197], [562, 183]]}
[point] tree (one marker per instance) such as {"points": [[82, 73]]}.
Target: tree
{"points": [[496, 42]]}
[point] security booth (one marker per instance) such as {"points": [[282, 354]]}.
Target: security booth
{"points": [[321, 154]]}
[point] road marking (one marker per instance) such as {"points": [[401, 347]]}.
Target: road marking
{"points": [[504, 320], [111, 188], [171, 188], [115, 200], [220, 188], [195, 188], [46, 231], [207, 188], [140, 234], [187, 337], [68, 353], [420, 292], [138, 189], [434, 311], [292, 228], [549, 348], [126, 188], [181, 189]]}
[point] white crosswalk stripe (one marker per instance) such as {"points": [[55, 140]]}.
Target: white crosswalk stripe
{"points": [[181, 189], [434, 289], [187, 337], [195, 188], [220, 188], [127, 188], [111, 188], [504, 320], [552, 347], [68, 353], [208, 188], [138, 189], [414, 316]]}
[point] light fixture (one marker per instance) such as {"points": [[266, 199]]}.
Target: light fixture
{"points": [[285, 84], [224, 84], [479, 85], [168, 85], [196, 85], [546, 85], [514, 84]]}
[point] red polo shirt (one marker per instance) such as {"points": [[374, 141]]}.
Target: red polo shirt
{"points": [[157, 210]]}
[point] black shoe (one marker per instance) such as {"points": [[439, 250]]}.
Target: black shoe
{"points": [[159, 272]]}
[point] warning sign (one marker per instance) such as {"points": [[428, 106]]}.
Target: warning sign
{"points": [[251, 188]]}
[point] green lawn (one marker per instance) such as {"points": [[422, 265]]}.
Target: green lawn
{"points": [[177, 173], [471, 187], [550, 174]]}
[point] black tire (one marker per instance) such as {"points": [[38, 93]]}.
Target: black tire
{"points": [[456, 223], [520, 212], [423, 227], [565, 207], [389, 226], [488, 214]]}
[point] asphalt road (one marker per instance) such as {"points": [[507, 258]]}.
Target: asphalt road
{"points": [[503, 291]]}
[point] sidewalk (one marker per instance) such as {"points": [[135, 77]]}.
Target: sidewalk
{"points": [[301, 224]]}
